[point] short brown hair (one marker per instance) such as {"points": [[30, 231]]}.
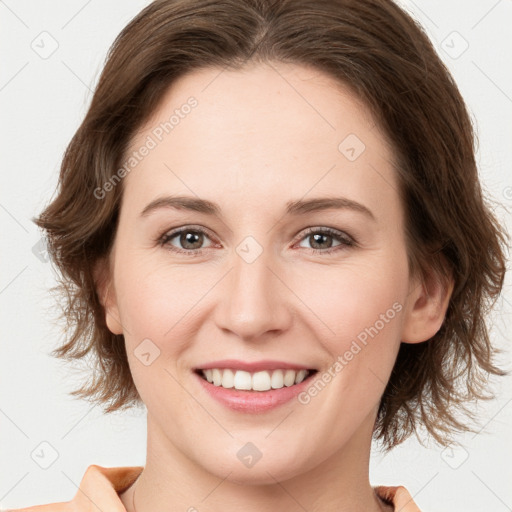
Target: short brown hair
{"points": [[379, 52]]}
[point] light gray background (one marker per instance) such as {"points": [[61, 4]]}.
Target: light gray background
{"points": [[43, 98]]}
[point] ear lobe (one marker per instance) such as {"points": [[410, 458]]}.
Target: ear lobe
{"points": [[107, 296], [426, 308]]}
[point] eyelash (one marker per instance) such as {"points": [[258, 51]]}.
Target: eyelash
{"points": [[345, 239]]}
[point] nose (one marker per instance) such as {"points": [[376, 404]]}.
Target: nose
{"points": [[253, 299]]}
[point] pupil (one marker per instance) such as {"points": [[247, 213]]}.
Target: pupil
{"points": [[318, 236], [188, 239]]}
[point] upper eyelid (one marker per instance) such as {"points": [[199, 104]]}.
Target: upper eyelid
{"points": [[190, 227], [326, 230]]}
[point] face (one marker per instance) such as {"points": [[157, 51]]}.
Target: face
{"points": [[271, 276]]}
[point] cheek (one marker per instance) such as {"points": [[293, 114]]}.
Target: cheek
{"points": [[160, 302], [347, 299], [154, 304], [358, 320], [151, 294]]}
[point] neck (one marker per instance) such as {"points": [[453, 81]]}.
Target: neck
{"points": [[172, 480]]}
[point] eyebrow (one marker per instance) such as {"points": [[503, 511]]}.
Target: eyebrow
{"points": [[298, 207]]}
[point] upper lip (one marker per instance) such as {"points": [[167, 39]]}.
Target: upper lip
{"points": [[254, 366]]}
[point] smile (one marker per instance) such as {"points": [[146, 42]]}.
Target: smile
{"points": [[253, 392], [256, 381]]}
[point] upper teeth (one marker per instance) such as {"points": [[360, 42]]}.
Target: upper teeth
{"points": [[258, 381]]}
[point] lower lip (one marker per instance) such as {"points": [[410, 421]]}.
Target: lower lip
{"points": [[254, 401]]}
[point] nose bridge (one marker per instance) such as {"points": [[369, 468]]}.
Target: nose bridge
{"points": [[254, 301], [251, 275]]}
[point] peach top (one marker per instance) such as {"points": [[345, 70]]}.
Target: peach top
{"points": [[100, 488]]}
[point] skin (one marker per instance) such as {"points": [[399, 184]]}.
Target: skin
{"points": [[257, 139]]}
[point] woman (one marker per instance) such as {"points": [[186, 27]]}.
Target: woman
{"points": [[272, 234]]}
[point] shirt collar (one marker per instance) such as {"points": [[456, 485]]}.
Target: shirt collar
{"points": [[100, 488]]}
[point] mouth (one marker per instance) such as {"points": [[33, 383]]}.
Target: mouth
{"points": [[259, 381]]}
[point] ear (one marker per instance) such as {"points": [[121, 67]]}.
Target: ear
{"points": [[106, 292], [426, 307]]}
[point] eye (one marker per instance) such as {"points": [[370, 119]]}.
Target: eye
{"points": [[321, 240], [189, 239]]}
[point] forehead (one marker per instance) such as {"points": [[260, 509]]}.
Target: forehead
{"points": [[258, 132]]}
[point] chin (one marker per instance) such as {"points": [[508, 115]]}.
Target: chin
{"points": [[263, 472]]}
